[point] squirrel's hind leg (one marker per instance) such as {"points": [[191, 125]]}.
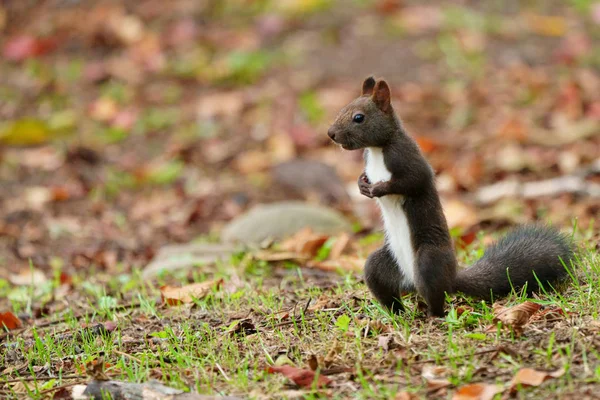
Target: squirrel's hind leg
{"points": [[434, 277], [384, 279]]}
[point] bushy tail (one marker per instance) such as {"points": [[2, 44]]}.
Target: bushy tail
{"points": [[513, 261]]}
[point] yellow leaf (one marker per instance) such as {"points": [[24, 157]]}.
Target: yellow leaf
{"points": [[546, 25], [25, 132]]}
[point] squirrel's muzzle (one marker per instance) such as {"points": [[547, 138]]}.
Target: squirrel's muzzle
{"points": [[331, 132]]}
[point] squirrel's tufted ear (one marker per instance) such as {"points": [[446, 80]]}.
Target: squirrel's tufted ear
{"points": [[368, 85], [382, 96]]}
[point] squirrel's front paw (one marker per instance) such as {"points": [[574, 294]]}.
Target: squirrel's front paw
{"points": [[364, 185], [378, 189]]}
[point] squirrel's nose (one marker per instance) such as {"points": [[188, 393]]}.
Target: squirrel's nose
{"points": [[331, 133]]}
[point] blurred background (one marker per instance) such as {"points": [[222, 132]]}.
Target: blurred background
{"points": [[127, 125]]}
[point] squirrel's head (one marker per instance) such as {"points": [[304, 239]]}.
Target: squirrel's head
{"points": [[368, 121]]}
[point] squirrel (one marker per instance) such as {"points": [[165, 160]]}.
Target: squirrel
{"points": [[418, 253]]}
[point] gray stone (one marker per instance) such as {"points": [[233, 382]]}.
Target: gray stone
{"points": [[279, 220], [186, 256]]}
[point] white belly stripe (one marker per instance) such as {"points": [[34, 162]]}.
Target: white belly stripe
{"points": [[394, 219]]}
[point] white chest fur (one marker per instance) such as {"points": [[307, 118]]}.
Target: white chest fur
{"points": [[394, 219]]}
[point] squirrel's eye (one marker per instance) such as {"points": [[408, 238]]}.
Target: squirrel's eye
{"points": [[358, 118]]}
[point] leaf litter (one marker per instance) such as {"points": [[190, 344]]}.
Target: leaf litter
{"points": [[99, 173]]}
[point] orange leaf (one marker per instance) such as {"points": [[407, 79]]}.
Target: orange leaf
{"points": [[305, 242], [186, 294], [426, 144], [476, 391], [10, 320], [301, 377], [339, 246], [531, 377]]}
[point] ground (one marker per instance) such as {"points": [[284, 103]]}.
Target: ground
{"points": [[129, 126]]}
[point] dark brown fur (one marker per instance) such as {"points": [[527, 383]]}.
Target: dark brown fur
{"points": [[520, 255]]}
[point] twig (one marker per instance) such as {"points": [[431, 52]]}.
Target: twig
{"points": [[41, 378], [222, 372], [128, 356], [306, 306]]}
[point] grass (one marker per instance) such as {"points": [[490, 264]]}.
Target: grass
{"points": [[221, 344]]}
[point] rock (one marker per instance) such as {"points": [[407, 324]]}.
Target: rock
{"points": [[186, 256], [278, 220], [311, 176]]}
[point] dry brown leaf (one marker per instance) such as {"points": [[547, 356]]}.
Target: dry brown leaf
{"points": [[347, 263], [9, 320], [253, 161], [515, 317], [426, 144], [531, 377], [186, 294], [459, 214], [281, 256], [546, 25], [28, 276], [434, 376], [301, 377], [226, 104], [341, 243], [244, 326], [477, 391], [335, 349], [313, 362], [324, 302], [305, 242], [513, 128], [405, 396], [384, 342]]}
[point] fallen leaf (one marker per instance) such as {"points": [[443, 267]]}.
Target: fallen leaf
{"points": [[477, 391], [513, 128], [9, 320], [515, 317], [531, 377], [27, 277], [244, 326], [222, 104], [546, 25], [405, 396], [324, 302], [96, 369], [460, 310], [459, 214], [104, 109], [332, 353], [280, 256], [22, 47], [26, 132], [301, 377], [421, 19], [341, 243], [426, 144], [186, 294], [346, 263], [434, 376], [305, 242], [384, 341], [313, 362], [548, 314], [253, 161]]}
